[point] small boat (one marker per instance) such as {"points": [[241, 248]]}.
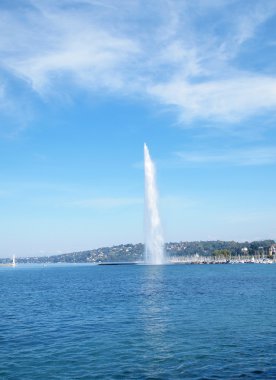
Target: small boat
{"points": [[12, 264]]}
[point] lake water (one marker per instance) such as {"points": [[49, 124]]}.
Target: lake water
{"points": [[138, 322]]}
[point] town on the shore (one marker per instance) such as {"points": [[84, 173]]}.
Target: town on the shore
{"points": [[197, 252]]}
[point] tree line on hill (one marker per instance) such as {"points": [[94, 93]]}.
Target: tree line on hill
{"points": [[135, 252]]}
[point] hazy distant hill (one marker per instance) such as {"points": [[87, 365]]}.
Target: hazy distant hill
{"points": [[134, 252]]}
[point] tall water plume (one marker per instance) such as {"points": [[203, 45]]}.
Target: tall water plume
{"points": [[154, 241]]}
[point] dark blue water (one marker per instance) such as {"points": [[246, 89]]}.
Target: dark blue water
{"points": [[138, 322]]}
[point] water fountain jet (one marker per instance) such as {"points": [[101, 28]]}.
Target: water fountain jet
{"points": [[154, 241]]}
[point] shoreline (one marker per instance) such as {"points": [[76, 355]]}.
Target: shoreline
{"points": [[211, 261], [141, 263]]}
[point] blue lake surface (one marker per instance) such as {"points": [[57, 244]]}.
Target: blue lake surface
{"points": [[138, 322]]}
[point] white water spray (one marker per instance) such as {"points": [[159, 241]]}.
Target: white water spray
{"points": [[154, 241]]}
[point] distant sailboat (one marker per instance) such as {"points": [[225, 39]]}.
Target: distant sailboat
{"points": [[12, 264]]}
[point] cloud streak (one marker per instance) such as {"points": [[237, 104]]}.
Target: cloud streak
{"points": [[107, 202], [183, 55], [56, 45], [230, 99], [236, 157]]}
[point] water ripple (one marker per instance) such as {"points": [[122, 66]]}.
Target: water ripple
{"points": [[171, 322]]}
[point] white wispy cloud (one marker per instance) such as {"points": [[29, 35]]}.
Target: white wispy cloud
{"points": [[229, 99], [102, 203], [53, 44], [237, 157], [106, 202], [182, 54]]}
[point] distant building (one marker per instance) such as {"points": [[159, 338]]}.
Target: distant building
{"points": [[244, 250], [272, 250]]}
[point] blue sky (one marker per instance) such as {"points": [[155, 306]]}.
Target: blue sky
{"points": [[83, 84]]}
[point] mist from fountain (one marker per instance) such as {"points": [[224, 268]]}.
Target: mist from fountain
{"points": [[154, 240]]}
